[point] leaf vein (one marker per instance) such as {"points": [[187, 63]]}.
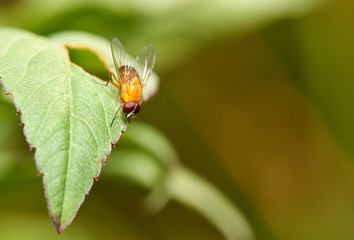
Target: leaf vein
{"points": [[37, 88], [70, 94], [88, 126], [27, 64], [10, 45], [45, 117], [103, 106], [51, 159]]}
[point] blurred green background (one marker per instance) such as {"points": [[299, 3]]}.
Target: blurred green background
{"points": [[255, 95]]}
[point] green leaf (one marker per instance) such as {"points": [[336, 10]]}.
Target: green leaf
{"points": [[156, 167], [193, 191], [66, 114]]}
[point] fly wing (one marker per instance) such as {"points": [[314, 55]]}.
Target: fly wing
{"points": [[145, 62], [120, 56]]}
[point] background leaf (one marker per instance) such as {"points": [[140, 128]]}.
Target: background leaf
{"points": [[156, 167], [178, 29]]}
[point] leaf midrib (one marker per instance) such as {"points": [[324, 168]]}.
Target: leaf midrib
{"points": [[70, 94]]}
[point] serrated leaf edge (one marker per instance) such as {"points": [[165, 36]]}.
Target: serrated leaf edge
{"points": [[56, 221]]}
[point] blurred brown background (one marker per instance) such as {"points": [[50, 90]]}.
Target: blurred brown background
{"points": [[257, 97]]}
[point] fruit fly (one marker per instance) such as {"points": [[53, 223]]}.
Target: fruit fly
{"points": [[132, 75]]}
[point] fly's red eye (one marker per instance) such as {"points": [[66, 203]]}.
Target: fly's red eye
{"points": [[137, 108], [129, 107]]}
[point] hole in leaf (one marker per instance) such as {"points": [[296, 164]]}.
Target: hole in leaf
{"points": [[90, 61]]}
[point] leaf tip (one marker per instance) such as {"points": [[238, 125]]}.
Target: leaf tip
{"points": [[57, 225], [59, 230]]}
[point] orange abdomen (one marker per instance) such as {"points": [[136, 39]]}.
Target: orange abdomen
{"points": [[131, 90]]}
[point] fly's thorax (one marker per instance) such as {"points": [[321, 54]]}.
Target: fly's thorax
{"points": [[127, 73]]}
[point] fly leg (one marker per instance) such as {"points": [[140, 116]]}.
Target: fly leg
{"points": [[113, 77], [115, 115]]}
